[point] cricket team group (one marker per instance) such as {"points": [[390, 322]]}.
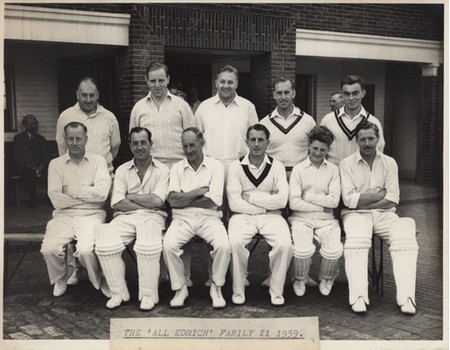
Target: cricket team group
{"points": [[213, 170]]}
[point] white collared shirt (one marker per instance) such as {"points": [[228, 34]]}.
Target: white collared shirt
{"points": [[270, 195], [88, 184], [343, 147], [288, 141], [183, 178], [225, 127], [127, 181], [357, 178], [103, 131], [166, 124], [312, 189]]}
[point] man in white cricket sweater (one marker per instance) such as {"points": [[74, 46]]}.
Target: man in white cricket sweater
{"points": [[288, 126], [257, 192], [343, 121]]}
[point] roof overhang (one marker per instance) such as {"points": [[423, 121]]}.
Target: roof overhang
{"points": [[360, 46], [67, 26]]}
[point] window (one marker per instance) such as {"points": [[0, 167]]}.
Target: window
{"points": [[9, 99]]}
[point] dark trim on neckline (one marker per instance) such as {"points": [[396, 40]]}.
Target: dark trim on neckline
{"points": [[257, 181], [281, 128], [349, 133]]}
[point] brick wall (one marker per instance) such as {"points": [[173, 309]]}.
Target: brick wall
{"points": [[401, 20], [131, 63], [430, 141]]}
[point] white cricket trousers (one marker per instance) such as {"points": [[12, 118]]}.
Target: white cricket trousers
{"points": [[400, 234], [182, 230], [62, 230], [111, 240], [275, 230]]}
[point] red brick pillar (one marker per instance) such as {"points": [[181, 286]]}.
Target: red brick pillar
{"points": [[131, 62], [430, 133], [264, 68]]}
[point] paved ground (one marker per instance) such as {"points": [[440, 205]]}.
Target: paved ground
{"points": [[31, 312]]}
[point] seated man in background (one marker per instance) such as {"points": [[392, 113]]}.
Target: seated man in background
{"points": [[139, 192], [78, 184], [30, 156], [257, 191], [314, 190], [195, 195], [370, 190]]}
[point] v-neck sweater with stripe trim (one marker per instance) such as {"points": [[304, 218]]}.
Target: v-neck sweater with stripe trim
{"points": [[269, 197], [292, 147], [342, 147]]}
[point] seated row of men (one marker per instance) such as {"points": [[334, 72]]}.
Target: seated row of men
{"points": [[257, 191]]}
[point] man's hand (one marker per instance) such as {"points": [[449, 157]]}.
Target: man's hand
{"points": [[202, 191]]}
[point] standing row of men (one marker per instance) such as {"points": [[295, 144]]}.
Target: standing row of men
{"points": [[223, 122]]}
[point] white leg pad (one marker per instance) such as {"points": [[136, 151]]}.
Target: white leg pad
{"points": [[329, 269], [301, 268], [148, 249], [148, 270], [108, 248], [404, 250], [356, 270]]}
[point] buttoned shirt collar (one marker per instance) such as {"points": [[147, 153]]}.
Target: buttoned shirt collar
{"points": [[237, 99], [168, 95], [98, 110], [359, 157], [310, 163], [295, 112], [132, 165], [362, 113], [205, 162], [66, 157]]}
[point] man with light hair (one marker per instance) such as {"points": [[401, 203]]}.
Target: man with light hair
{"points": [[78, 184], [104, 137], [225, 118], [336, 101]]}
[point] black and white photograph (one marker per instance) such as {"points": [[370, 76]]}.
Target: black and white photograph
{"points": [[220, 175]]}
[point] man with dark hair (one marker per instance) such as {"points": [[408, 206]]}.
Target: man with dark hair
{"points": [[225, 118], [314, 190], [195, 195], [257, 191], [30, 156], [164, 113], [344, 121], [288, 126], [336, 101], [370, 191], [139, 192], [78, 184]]}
